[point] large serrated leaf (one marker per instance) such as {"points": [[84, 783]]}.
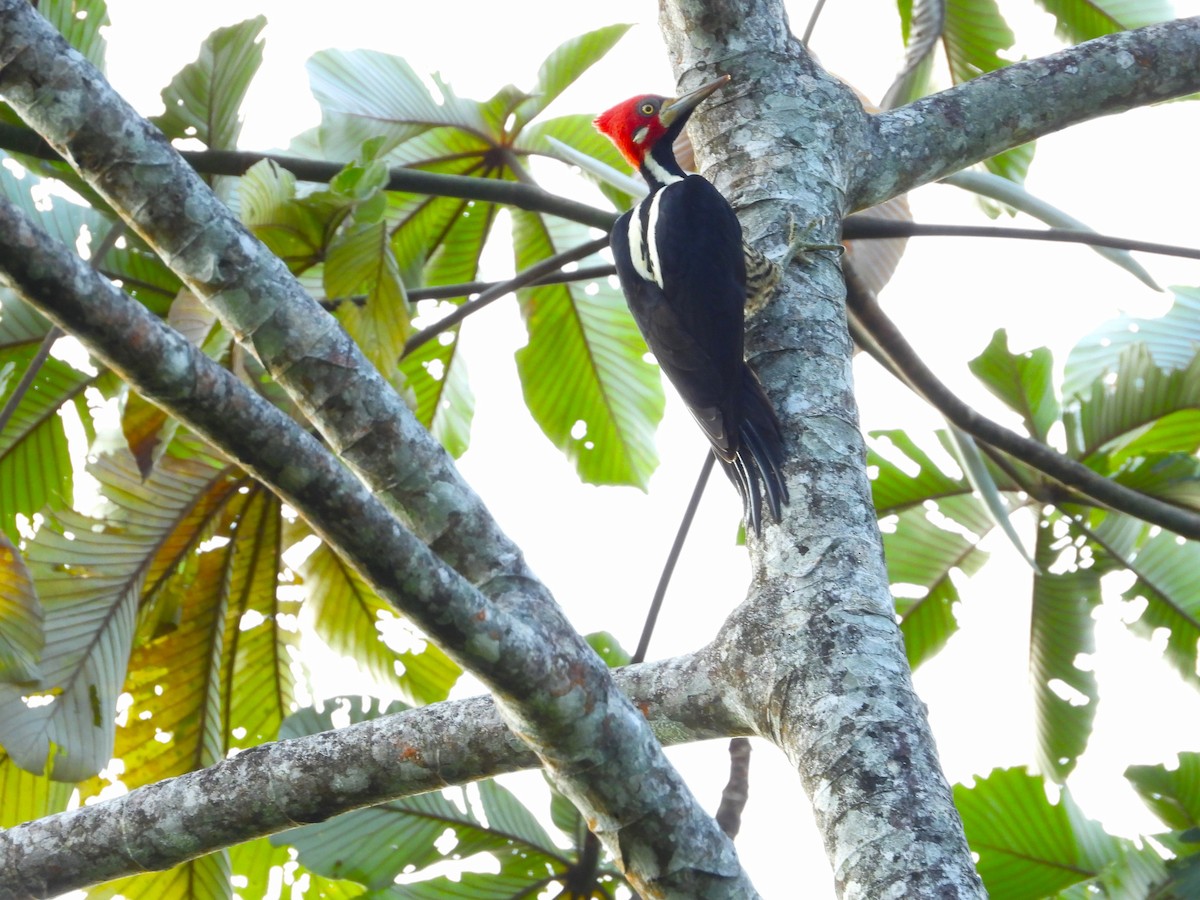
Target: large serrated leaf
{"points": [[25, 796], [1122, 408], [1173, 793], [348, 616], [922, 554], [893, 488], [1166, 571], [91, 574], [1173, 340], [564, 65], [362, 274], [366, 94], [204, 98], [35, 462], [435, 374], [1061, 630], [1028, 846], [207, 877], [373, 845], [82, 23], [584, 372], [1081, 20], [21, 634], [1024, 381]]}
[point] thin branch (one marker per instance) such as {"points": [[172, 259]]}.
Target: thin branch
{"points": [[860, 227], [237, 162], [466, 288], [737, 789], [114, 233], [664, 579], [812, 24], [496, 291], [1033, 453], [953, 129]]}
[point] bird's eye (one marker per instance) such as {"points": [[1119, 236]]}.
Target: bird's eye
{"points": [[647, 109]]}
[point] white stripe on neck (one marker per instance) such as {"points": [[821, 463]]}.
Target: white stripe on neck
{"points": [[661, 175], [637, 249]]}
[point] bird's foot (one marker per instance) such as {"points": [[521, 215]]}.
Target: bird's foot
{"points": [[800, 245]]}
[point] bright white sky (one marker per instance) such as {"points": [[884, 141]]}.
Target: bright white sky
{"points": [[600, 550]]}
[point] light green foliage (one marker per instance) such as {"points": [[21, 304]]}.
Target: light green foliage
{"points": [[189, 610]]}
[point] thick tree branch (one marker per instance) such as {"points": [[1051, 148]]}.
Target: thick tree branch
{"points": [[554, 689], [948, 131], [819, 660], [279, 785]]}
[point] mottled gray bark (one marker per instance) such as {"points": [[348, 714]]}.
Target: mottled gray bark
{"points": [[816, 651], [459, 577], [951, 130], [812, 661]]}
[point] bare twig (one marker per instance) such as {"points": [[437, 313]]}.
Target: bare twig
{"points": [[737, 789], [664, 580], [521, 279], [43, 352], [859, 227], [1068, 472]]}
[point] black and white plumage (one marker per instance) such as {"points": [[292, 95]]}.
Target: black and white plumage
{"points": [[681, 261]]}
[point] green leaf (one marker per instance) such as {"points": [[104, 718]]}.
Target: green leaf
{"points": [[91, 574], [207, 877], [921, 29], [608, 648], [1172, 340], [1061, 630], [1023, 381], [349, 616], [575, 141], [81, 22], [21, 634], [365, 94], [1166, 571], [562, 67], [922, 554], [25, 796], [584, 374], [372, 846], [436, 378], [1172, 793], [891, 455], [1082, 20], [203, 99], [1027, 845], [975, 34], [1122, 407], [35, 462], [361, 271]]}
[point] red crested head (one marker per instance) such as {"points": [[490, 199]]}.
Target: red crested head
{"points": [[634, 126], [641, 122]]}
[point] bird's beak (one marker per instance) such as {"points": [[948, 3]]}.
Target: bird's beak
{"points": [[681, 107]]}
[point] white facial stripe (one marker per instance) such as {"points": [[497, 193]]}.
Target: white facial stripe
{"points": [[637, 247], [652, 238], [661, 175], [640, 134]]}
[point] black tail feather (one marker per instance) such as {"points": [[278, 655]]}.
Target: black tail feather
{"points": [[757, 467]]}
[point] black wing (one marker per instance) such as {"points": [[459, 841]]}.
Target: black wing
{"points": [[691, 313]]}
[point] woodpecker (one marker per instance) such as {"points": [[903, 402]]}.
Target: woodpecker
{"points": [[683, 265]]}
